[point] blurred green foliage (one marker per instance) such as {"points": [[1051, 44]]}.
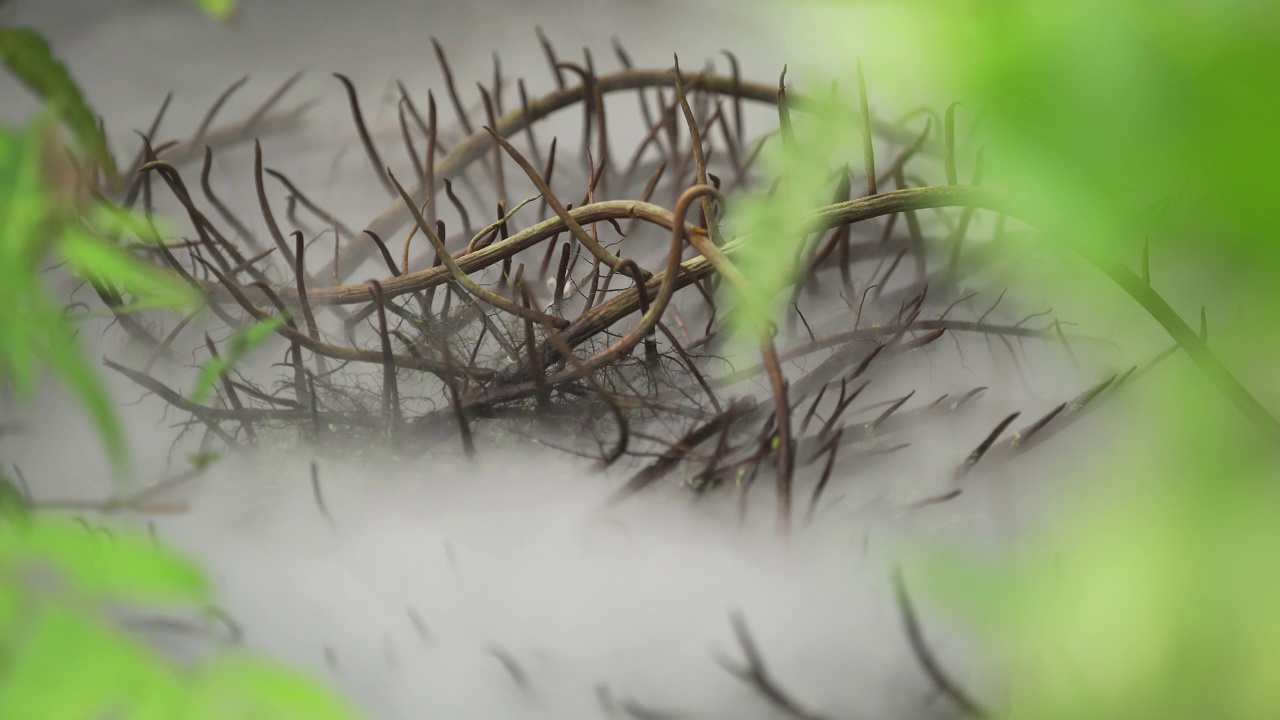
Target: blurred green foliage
{"points": [[29, 58], [64, 651], [1142, 122], [64, 655], [803, 157], [1154, 596], [1136, 122], [38, 219], [220, 9]]}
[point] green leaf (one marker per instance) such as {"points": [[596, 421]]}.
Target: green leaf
{"points": [[245, 688], [1139, 120], [220, 9], [23, 209], [72, 666], [63, 658], [1156, 599], [68, 361], [122, 566], [31, 60], [153, 288], [111, 221], [23, 218], [203, 460], [777, 221], [33, 330], [237, 347], [1156, 594], [13, 504], [68, 666]]}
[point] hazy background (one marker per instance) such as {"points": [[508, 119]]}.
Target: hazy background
{"points": [[508, 560]]}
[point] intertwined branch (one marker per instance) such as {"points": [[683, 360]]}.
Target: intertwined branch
{"points": [[541, 312]]}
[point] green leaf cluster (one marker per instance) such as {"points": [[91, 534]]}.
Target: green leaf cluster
{"points": [[1155, 598], [805, 158], [39, 219], [65, 656], [29, 58], [1142, 123], [220, 9], [1137, 122]]}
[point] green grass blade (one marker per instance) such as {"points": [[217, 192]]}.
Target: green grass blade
{"points": [[29, 57]]}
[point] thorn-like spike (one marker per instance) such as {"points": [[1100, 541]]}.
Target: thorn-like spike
{"points": [[451, 87], [549, 51], [1021, 437], [370, 150], [986, 444]]}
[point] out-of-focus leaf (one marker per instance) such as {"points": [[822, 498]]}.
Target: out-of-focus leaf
{"points": [[9, 601], [1157, 599], [23, 216], [23, 209], [827, 130], [62, 657], [33, 330], [151, 287], [203, 460], [125, 566], [66, 666], [220, 9], [12, 502], [111, 221], [68, 361], [1157, 595], [29, 57], [237, 347], [34, 333], [245, 688], [1143, 120]]}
